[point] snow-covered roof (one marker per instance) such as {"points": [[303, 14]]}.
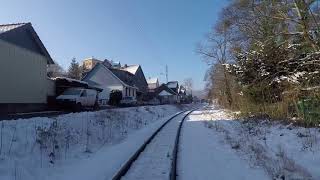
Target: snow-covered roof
{"points": [[70, 80], [165, 93], [172, 84], [9, 27], [164, 87], [131, 69], [152, 80]]}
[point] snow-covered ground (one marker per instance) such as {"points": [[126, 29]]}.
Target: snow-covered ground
{"points": [[87, 145], [216, 145], [202, 155]]}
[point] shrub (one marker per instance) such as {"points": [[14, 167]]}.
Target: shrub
{"points": [[310, 110], [115, 97]]}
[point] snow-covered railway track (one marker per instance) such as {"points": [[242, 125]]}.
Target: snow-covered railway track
{"points": [[157, 157]]}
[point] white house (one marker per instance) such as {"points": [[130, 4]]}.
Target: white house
{"points": [[166, 95], [23, 70], [110, 79]]}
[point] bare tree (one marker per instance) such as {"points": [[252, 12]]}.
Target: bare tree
{"points": [[55, 70], [188, 84], [215, 51]]}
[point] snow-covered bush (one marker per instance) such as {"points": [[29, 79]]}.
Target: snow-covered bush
{"points": [[274, 80]]}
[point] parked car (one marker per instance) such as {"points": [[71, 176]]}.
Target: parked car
{"points": [[77, 98], [129, 101]]}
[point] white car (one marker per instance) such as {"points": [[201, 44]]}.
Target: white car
{"points": [[78, 98], [132, 101]]}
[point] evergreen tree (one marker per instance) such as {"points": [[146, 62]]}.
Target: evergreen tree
{"points": [[74, 70]]}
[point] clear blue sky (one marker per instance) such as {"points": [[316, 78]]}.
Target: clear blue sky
{"points": [[151, 33]]}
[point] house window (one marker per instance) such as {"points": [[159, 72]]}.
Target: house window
{"points": [[126, 91]]}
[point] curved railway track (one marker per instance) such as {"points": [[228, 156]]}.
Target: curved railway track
{"points": [[173, 169]]}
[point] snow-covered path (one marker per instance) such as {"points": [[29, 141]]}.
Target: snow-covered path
{"points": [[155, 161], [202, 156]]}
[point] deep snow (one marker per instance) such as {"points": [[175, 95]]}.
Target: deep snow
{"points": [[87, 145], [280, 150]]}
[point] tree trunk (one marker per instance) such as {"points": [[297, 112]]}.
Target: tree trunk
{"points": [[228, 89]]}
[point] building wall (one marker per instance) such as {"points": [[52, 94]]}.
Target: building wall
{"points": [[167, 98], [142, 82], [106, 81], [22, 37], [129, 92], [51, 87], [23, 76]]}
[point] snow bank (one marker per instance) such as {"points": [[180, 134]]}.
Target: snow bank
{"points": [[75, 146], [283, 151]]}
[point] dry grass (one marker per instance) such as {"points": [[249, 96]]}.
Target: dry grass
{"points": [[288, 108], [284, 101]]}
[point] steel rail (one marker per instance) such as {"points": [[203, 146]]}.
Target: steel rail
{"points": [[125, 168], [173, 170]]}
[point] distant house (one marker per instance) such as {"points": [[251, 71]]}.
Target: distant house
{"points": [[153, 83], [166, 95], [108, 79], [110, 63], [89, 63], [173, 85], [183, 94], [182, 90], [24, 83], [116, 64]]}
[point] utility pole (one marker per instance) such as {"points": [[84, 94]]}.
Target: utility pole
{"points": [[167, 73]]}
